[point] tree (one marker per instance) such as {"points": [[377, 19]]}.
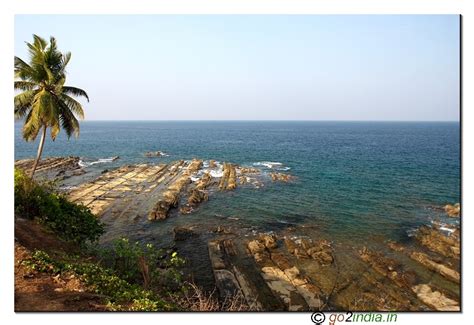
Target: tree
{"points": [[45, 102]]}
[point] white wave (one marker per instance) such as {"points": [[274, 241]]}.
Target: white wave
{"points": [[216, 173], [268, 164], [99, 161]]}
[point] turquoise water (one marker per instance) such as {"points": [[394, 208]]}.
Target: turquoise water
{"points": [[356, 180]]}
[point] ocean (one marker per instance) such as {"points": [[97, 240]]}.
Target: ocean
{"points": [[355, 180]]}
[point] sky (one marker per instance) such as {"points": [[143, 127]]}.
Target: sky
{"points": [[258, 67]]}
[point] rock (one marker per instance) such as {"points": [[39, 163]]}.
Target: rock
{"points": [[150, 154], [229, 177], [249, 170], [437, 267], [269, 240], [435, 299], [436, 241], [453, 210], [212, 163], [204, 181], [281, 177], [396, 246], [243, 180], [183, 233], [186, 209], [255, 247], [222, 230], [388, 267], [197, 196]]}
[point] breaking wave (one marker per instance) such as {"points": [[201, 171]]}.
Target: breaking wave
{"points": [[83, 163]]}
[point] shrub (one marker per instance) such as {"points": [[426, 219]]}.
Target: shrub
{"points": [[68, 220], [145, 264]]}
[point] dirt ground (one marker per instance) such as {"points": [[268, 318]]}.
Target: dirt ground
{"points": [[36, 291]]}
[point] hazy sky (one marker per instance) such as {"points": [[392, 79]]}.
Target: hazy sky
{"points": [[258, 67]]}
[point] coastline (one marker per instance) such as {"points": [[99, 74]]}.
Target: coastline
{"points": [[296, 268]]}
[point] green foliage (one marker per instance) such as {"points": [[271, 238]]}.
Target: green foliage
{"points": [[45, 101], [120, 294], [145, 265], [68, 220]]}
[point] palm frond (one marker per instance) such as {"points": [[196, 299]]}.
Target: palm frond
{"points": [[24, 85], [23, 103], [68, 121], [23, 70], [68, 90], [73, 105]]}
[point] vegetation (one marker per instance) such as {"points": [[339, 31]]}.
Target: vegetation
{"points": [[69, 221], [118, 293], [147, 265], [45, 101]]}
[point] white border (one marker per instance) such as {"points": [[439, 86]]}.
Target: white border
{"points": [[8, 8]]}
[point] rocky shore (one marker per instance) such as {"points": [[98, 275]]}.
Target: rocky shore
{"points": [[295, 269]]}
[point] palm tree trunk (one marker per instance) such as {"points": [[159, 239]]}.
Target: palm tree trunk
{"points": [[40, 151]]}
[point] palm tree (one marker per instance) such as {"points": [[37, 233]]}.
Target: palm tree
{"points": [[45, 100]]}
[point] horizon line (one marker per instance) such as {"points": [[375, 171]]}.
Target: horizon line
{"points": [[257, 120]]}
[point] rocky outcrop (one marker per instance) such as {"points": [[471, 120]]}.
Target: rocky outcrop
{"points": [[228, 180], [388, 267], [436, 241], [434, 264], [453, 210], [284, 279], [53, 167], [197, 196], [320, 250], [435, 299], [437, 267]]}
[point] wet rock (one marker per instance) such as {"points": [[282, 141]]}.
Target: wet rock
{"points": [[453, 210], [281, 177], [150, 154], [204, 181], [435, 299], [212, 163], [183, 233], [197, 196], [221, 230], [186, 209], [249, 170], [243, 180]]}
